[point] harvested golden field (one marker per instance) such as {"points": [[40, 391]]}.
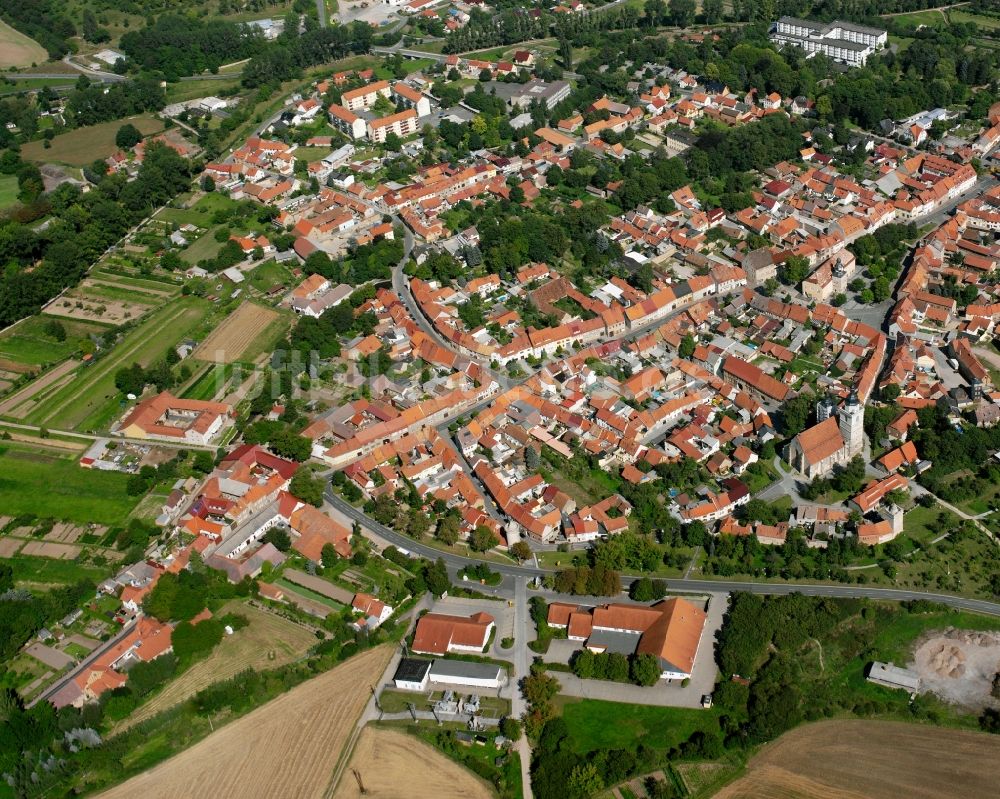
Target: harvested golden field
{"points": [[267, 642], [287, 748], [233, 337], [387, 760], [17, 50], [871, 760]]}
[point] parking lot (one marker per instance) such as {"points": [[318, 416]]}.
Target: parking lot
{"points": [[502, 612], [376, 13]]}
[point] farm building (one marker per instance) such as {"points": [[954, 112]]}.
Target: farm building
{"points": [[438, 634], [412, 674], [670, 631], [893, 676], [469, 675]]}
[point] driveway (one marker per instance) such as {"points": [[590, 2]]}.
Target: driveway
{"points": [[501, 611], [666, 693]]}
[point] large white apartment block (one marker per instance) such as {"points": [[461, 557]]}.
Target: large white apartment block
{"points": [[347, 121], [366, 96], [844, 42], [409, 97], [403, 123]]}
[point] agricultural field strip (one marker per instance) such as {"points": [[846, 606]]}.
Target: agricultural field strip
{"points": [[119, 357]]}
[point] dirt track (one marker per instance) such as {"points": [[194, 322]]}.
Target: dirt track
{"points": [[288, 748], [855, 759], [387, 760]]}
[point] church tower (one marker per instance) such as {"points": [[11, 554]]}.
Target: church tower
{"points": [[852, 424]]}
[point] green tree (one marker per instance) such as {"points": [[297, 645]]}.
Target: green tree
{"points": [[795, 413], [279, 538], [127, 137], [521, 550], [682, 12], [687, 347], [510, 728], [712, 9], [645, 669], [585, 780], [641, 590], [482, 539], [328, 555], [307, 486], [583, 664]]}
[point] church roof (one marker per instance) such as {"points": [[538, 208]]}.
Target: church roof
{"points": [[820, 441]]}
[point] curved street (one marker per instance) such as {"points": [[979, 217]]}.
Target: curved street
{"points": [[512, 571]]}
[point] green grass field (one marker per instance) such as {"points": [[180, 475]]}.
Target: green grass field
{"points": [[930, 18], [8, 190], [192, 89], [49, 485], [91, 401], [268, 275], [595, 724], [989, 24], [30, 344], [34, 84], [202, 248], [81, 146]]}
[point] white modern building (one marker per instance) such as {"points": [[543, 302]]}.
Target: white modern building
{"points": [[844, 42]]}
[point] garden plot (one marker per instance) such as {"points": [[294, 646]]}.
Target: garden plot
{"points": [[236, 334], [77, 304], [45, 549]]}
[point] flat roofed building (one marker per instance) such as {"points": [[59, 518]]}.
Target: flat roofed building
{"points": [[893, 676], [470, 675], [844, 42], [412, 674]]}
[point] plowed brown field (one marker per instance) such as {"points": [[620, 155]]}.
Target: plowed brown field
{"points": [[872, 760], [393, 764]]}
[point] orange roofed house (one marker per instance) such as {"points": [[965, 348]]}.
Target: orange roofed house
{"points": [[438, 634], [670, 631], [146, 641], [169, 418]]}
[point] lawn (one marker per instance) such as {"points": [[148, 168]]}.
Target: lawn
{"points": [[192, 89], [30, 344], [596, 724], [990, 24], [82, 146], [8, 190], [203, 248], [211, 381], [924, 524], [270, 274], [91, 401], [931, 18], [68, 491], [311, 154], [34, 84], [307, 593]]}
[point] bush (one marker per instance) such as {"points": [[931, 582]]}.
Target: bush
{"points": [[506, 643]]}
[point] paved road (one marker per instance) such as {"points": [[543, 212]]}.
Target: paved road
{"points": [[511, 572], [522, 634], [83, 664]]}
